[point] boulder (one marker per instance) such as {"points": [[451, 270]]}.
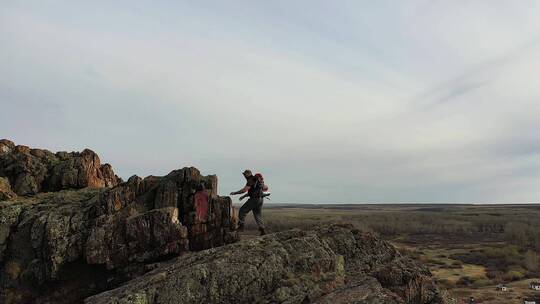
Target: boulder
{"points": [[31, 171], [105, 235]]}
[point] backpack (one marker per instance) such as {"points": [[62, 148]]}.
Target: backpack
{"points": [[257, 189]]}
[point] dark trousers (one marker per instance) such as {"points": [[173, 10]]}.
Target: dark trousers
{"points": [[255, 205]]}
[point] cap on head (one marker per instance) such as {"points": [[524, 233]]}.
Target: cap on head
{"points": [[247, 172]]}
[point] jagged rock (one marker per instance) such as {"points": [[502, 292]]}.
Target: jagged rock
{"points": [[335, 264], [80, 170], [110, 234], [402, 279], [177, 190], [138, 238], [9, 215], [5, 190], [31, 171], [40, 236]]}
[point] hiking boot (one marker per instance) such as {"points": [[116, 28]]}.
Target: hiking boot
{"points": [[262, 231], [240, 228]]}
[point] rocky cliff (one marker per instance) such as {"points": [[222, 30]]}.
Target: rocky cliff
{"points": [[58, 247], [71, 232]]}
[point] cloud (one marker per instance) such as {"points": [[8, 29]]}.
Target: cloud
{"points": [[387, 103]]}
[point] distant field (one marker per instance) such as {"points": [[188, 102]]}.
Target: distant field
{"points": [[470, 249]]}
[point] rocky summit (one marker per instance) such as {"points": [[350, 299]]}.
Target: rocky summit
{"points": [[72, 232], [30, 171]]}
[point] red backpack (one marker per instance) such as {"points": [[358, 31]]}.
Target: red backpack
{"points": [[260, 178]]}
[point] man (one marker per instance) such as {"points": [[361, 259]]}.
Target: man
{"points": [[254, 188]]}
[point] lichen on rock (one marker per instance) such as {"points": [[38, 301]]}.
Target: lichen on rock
{"points": [[332, 264]]}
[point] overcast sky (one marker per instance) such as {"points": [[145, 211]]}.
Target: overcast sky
{"points": [[333, 101]]}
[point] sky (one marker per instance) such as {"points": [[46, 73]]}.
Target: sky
{"points": [[332, 101]]}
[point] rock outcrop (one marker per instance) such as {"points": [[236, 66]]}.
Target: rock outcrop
{"points": [[31, 171], [59, 247], [335, 264], [72, 232]]}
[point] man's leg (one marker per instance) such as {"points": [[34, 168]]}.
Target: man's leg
{"points": [[244, 210], [257, 214]]}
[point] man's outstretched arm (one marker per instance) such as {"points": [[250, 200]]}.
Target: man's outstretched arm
{"points": [[243, 190]]}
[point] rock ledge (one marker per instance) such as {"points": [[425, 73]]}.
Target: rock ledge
{"points": [[335, 264]]}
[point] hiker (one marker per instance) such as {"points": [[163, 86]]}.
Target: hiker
{"points": [[266, 193], [255, 190]]}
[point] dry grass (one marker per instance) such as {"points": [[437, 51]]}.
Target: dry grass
{"points": [[474, 272]]}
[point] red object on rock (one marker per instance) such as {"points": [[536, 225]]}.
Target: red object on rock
{"points": [[201, 205]]}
